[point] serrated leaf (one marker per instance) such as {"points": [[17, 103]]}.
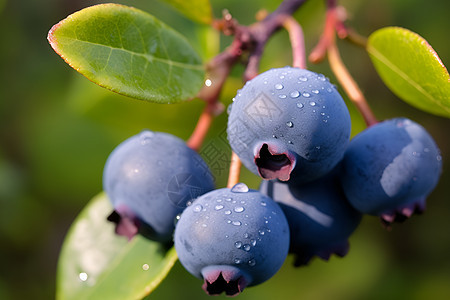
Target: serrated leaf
{"points": [[129, 52], [95, 263], [197, 10], [411, 69]]}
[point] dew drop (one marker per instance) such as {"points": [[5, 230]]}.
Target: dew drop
{"points": [[252, 262], [246, 247], [218, 207], [321, 77], [253, 242], [198, 208], [237, 261], [246, 235], [279, 86], [294, 94], [208, 82], [228, 212], [229, 108], [315, 91], [228, 221], [282, 96], [299, 105], [306, 94], [176, 219], [329, 90], [312, 103], [219, 200], [236, 223], [318, 147], [438, 158], [238, 245], [146, 136], [83, 276], [274, 136], [263, 203], [240, 188], [261, 232], [290, 142], [303, 78], [239, 209], [228, 199], [322, 114], [282, 77], [145, 267], [290, 124], [204, 225]]}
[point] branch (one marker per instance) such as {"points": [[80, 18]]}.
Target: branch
{"points": [[235, 170], [297, 42], [349, 85], [248, 41]]}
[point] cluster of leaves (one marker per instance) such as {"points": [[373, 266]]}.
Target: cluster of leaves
{"points": [[133, 53]]}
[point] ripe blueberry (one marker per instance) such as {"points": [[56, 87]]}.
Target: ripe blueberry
{"points": [[289, 123], [232, 238], [319, 216], [149, 179], [390, 168]]}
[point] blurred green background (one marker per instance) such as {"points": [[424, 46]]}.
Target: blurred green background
{"points": [[57, 129]]}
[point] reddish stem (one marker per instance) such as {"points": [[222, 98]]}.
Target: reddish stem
{"points": [[235, 170], [327, 46], [320, 50], [201, 129], [349, 85], [297, 42]]}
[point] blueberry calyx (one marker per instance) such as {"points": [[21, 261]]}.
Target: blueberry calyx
{"points": [[228, 279], [274, 164], [126, 225], [403, 212]]}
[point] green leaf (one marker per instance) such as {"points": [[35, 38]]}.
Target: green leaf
{"points": [[411, 68], [95, 263], [129, 52], [197, 10]]}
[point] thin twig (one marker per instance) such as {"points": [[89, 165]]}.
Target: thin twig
{"points": [[349, 85], [235, 170], [297, 42], [249, 40]]}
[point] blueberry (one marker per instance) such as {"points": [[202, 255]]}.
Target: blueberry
{"points": [[232, 238], [390, 168], [319, 216], [289, 124], [149, 179]]}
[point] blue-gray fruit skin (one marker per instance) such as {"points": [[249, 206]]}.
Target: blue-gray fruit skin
{"points": [[390, 168], [232, 238], [150, 178], [289, 124], [320, 218]]}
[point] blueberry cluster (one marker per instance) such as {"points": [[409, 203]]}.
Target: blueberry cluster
{"points": [[291, 127]]}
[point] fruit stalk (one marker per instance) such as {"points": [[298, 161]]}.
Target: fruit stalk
{"points": [[235, 170], [296, 37], [247, 39]]}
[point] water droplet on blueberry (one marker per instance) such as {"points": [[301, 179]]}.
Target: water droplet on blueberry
{"points": [[240, 188]]}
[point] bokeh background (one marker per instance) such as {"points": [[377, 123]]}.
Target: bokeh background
{"points": [[57, 129]]}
